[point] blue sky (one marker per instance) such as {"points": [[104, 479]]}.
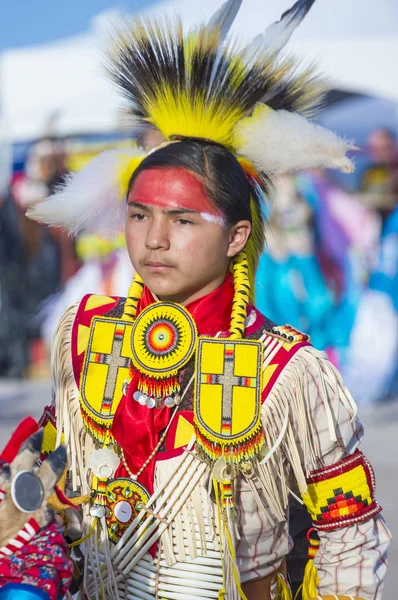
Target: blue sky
{"points": [[27, 22]]}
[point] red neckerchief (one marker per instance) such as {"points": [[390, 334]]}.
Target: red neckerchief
{"points": [[137, 428]]}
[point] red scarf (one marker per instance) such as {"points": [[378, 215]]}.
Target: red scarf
{"points": [[137, 428]]}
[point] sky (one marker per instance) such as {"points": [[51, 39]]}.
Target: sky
{"points": [[29, 22]]}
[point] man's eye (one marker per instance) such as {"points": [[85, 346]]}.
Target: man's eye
{"points": [[184, 222], [138, 216]]}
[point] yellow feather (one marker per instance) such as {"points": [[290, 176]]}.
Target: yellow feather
{"points": [[178, 116], [259, 114], [125, 169]]}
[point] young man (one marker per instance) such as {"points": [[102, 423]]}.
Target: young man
{"points": [[188, 416]]}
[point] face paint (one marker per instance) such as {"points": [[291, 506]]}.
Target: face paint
{"points": [[213, 219], [172, 188]]}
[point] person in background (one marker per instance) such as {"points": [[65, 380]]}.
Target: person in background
{"points": [[379, 180], [14, 354], [49, 254], [290, 284], [369, 378], [106, 270]]}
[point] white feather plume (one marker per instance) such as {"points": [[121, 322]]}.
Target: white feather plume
{"points": [[90, 199], [279, 142]]}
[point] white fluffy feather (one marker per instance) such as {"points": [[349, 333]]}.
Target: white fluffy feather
{"points": [[90, 199], [279, 142]]}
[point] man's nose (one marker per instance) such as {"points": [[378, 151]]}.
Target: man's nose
{"points": [[157, 236]]}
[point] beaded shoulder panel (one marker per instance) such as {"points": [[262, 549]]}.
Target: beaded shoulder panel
{"points": [[100, 347], [91, 305]]}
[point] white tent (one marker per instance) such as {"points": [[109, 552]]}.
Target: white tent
{"points": [[64, 80], [66, 77]]}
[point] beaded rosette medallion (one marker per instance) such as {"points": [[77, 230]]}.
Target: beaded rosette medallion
{"points": [[163, 340]]}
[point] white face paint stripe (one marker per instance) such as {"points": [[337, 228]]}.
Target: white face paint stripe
{"points": [[5, 550], [213, 218], [25, 536]]}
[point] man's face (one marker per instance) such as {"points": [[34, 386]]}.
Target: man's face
{"points": [[382, 147], [176, 238]]}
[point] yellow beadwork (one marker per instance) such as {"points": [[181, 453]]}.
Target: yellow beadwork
{"points": [[105, 368], [163, 341], [319, 495], [233, 370]]}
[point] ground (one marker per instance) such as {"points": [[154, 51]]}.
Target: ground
{"points": [[18, 399]]}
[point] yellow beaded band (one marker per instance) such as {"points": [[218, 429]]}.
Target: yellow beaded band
{"points": [[342, 494]]}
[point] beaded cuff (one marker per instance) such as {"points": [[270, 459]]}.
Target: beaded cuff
{"points": [[342, 494]]}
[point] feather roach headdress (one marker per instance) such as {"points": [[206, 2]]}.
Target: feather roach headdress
{"points": [[200, 85]]}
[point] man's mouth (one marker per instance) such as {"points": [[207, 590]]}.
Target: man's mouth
{"points": [[157, 267]]}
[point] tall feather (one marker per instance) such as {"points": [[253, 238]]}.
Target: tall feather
{"points": [[276, 36], [224, 17]]}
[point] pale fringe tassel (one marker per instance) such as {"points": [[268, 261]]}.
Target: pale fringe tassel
{"points": [[79, 447], [230, 566], [299, 445], [196, 519], [99, 577]]}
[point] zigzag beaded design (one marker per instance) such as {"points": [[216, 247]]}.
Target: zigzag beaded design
{"points": [[134, 295], [241, 297]]}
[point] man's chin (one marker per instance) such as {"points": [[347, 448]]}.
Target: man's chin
{"points": [[160, 285]]}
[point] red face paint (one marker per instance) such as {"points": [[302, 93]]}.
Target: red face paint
{"points": [[172, 188]]}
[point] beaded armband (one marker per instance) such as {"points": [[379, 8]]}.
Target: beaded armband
{"points": [[342, 494]]}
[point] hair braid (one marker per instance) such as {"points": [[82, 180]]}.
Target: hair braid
{"points": [[240, 268], [134, 294]]}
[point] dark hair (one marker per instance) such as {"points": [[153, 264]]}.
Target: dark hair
{"points": [[223, 178]]}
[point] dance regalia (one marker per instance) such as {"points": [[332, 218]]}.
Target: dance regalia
{"points": [[187, 553], [188, 427]]}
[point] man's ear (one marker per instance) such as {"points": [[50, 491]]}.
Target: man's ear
{"points": [[239, 234]]}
